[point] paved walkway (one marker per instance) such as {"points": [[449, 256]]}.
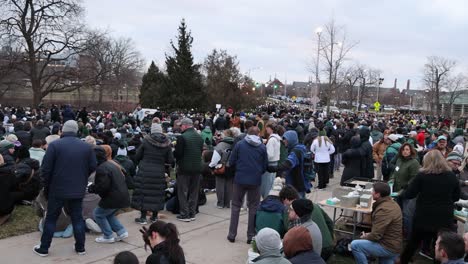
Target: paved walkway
{"points": [[203, 241]]}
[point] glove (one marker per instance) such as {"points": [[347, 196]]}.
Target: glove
{"points": [[272, 169]]}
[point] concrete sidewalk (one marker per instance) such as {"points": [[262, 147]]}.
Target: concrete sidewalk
{"points": [[203, 241]]}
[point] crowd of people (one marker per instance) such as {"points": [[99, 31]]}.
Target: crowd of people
{"points": [[80, 168]]}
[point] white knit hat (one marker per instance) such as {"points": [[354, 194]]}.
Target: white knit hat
{"points": [[156, 128], [268, 240]]}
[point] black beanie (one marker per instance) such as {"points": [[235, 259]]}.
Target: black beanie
{"points": [[302, 207]]}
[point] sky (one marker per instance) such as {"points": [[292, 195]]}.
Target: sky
{"points": [[273, 37]]}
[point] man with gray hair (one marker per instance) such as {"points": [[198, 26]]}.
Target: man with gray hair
{"points": [[188, 153], [66, 166]]}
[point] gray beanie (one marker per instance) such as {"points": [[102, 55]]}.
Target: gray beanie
{"points": [[156, 128], [70, 126], [186, 121], [268, 241]]}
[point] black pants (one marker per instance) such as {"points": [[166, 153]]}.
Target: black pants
{"points": [[154, 216], [323, 173], [188, 187], [417, 236]]}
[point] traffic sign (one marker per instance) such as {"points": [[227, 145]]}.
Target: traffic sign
{"points": [[377, 106]]}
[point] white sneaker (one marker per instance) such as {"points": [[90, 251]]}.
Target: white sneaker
{"points": [[91, 225], [121, 237], [101, 239]]}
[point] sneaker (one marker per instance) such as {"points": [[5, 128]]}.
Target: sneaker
{"points": [[91, 225], [153, 220], [121, 237], [426, 255], [219, 207], [141, 221], [183, 218], [80, 253], [192, 218], [101, 239], [37, 249]]}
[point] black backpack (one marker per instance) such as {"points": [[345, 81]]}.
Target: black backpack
{"points": [[342, 247]]}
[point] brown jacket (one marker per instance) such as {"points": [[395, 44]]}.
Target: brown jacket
{"points": [[378, 151], [386, 224]]}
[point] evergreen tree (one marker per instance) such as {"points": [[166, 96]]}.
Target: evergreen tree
{"points": [[183, 87], [151, 87]]}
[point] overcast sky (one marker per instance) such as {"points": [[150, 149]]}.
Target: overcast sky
{"points": [[394, 36]]}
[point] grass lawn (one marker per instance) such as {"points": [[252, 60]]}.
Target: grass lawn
{"points": [[22, 221]]}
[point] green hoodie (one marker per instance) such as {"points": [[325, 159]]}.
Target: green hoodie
{"points": [[207, 136]]}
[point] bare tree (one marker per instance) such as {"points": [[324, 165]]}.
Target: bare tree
{"points": [[113, 65], [334, 49], [48, 34], [454, 87], [436, 72]]}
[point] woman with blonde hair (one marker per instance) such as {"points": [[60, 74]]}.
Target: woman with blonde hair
{"points": [[322, 147], [436, 189]]}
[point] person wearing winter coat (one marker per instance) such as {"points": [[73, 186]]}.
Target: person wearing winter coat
{"points": [[220, 158], [27, 176], [127, 164], [436, 189], [376, 134], [7, 187], [268, 243], [163, 239], [109, 184], [367, 166], [150, 181], [273, 147], [293, 166], [406, 168], [272, 212], [39, 131], [36, 151], [298, 247], [390, 153], [322, 147], [23, 136], [250, 160], [352, 159], [207, 136], [378, 151]]}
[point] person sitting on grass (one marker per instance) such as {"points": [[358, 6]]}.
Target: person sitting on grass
{"points": [[7, 186], [163, 239], [271, 212]]}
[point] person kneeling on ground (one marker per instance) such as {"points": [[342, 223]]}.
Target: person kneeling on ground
{"points": [[163, 239], [268, 243], [300, 215], [384, 240], [110, 185], [450, 248], [271, 212], [288, 194], [298, 247]]}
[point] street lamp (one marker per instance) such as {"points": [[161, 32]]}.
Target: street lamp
{"points": [[313, 98], [378, 88]]}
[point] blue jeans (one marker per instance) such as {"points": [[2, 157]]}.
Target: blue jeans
{"points": [[107, 221], [267, 180], [54, 209], [363, 248]]}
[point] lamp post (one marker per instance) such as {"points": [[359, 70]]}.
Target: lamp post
{"points": [[378, 88], [313, 96]]}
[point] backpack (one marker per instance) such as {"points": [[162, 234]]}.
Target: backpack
{"points": [[309, 170], [343, 246], [220, 169]]}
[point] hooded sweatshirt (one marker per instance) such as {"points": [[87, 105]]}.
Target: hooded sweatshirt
{"points": [[273, 147], [250, 160]]}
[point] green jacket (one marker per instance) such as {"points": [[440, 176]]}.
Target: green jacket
{"points": [[283, 153], [325, 225], [405, 170], [188, 152], [272, 213]]}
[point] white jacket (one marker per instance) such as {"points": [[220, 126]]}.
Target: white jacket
{"points": [[322, 152], [273, 147]]}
